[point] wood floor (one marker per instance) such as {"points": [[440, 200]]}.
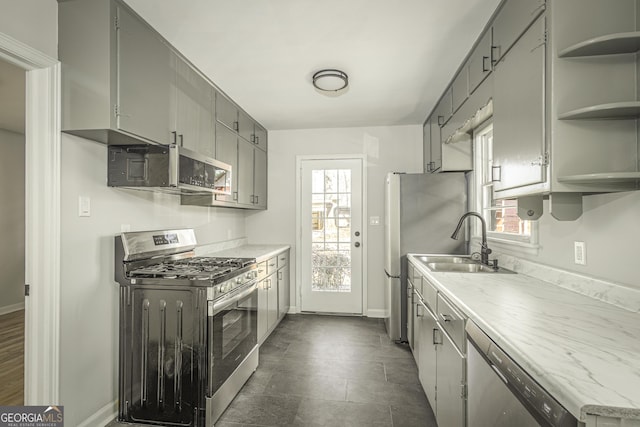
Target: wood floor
{"points": [[12, 359]]}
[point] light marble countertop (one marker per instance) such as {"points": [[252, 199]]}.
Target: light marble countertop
{"points": [[259, 252], [583, 351]]}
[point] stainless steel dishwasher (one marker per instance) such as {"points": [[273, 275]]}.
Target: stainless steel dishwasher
{"points": [[501, 394]]}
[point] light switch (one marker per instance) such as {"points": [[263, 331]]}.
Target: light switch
{"points": [[84, 206], [374, 220]]}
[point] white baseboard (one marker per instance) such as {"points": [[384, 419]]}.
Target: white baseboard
{"points": [[11, 308], [377, 313], [104, 416]]}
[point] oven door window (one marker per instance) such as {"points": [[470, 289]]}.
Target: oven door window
{"points": [[232, 336]]}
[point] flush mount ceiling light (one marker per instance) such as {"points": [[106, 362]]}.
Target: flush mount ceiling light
{"points": [[330, 80]]}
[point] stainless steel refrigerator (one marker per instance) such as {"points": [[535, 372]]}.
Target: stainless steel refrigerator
{"points": [[421, 212]]}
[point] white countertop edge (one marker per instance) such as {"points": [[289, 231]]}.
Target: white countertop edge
{"points": [[571, 401], [258, 251]]}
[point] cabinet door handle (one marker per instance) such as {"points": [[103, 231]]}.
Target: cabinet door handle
{"points": [[181, 136], [256, 200], [440, 120], [446, 317], [435, 337], [175, 136], [253, 138], [484, 66], [279, 275], [236, 126], [257, 139], [251, 198], [494, 57], [235, 195], [496, 173]]}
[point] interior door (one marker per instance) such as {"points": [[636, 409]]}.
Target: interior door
{"points": [[331, 240]]}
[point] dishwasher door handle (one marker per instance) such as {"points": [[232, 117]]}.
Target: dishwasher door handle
{"points": [[500, 374]]}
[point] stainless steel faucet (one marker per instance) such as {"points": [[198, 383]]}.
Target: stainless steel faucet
{"points": [[484, 249]]}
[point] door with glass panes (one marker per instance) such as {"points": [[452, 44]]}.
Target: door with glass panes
{"points": [[331, 240]]}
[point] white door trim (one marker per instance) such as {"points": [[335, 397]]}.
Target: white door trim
{"points": [[298, 287], [42, 219]]}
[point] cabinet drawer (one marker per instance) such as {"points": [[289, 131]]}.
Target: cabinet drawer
{"points": [[429, 295], [262, 270], [283, 259], [272, 265], [451, 320]]}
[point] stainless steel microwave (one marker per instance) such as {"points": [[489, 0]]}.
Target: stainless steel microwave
{"points": [[167, 168]]}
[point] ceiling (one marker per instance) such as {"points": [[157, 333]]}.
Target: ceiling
{"points": [[399, 55], [12, 97]]}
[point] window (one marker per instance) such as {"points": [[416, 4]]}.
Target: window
{"points": [[503, 223]]}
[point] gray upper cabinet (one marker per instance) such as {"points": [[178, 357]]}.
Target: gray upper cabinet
{"points": [[426, 145], [194, 111], [260, 179], [245, 173], [246, 127], [479, 64], [226, 112], [436, 143], [146, 81], [227, 151], [260, 137], [459, 89], [511, 22], [444, 109], [518, 113]]}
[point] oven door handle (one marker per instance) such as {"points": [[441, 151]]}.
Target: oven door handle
{"points": [[227, 300]]}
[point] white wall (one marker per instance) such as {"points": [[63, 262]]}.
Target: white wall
{"points": [[11, 219], [610, 228], [33, 22], [396, 148], [89, 294]]}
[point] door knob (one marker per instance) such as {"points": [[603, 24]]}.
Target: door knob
{"points": [[357, 233], [357, 244]]}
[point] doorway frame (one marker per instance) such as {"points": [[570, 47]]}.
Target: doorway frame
{"points": [[365, 225], [42, 220]]}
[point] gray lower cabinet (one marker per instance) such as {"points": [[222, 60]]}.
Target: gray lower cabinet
{"points": [[429, 340], [440, 352], [273, 293], [267, 298], [450, 381], [283, 284], [519, 112]]}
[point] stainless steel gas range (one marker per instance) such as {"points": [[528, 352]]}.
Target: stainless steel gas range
{"points": [[188, 329]]}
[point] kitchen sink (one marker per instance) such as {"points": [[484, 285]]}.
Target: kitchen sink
{"points": [[449, 259], [469, 267]]}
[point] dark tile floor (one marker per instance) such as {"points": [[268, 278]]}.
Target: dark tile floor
{"points": [[331, 371]]}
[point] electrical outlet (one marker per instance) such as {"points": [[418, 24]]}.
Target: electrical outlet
{"points": [[84, 206], [579, 253]]}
